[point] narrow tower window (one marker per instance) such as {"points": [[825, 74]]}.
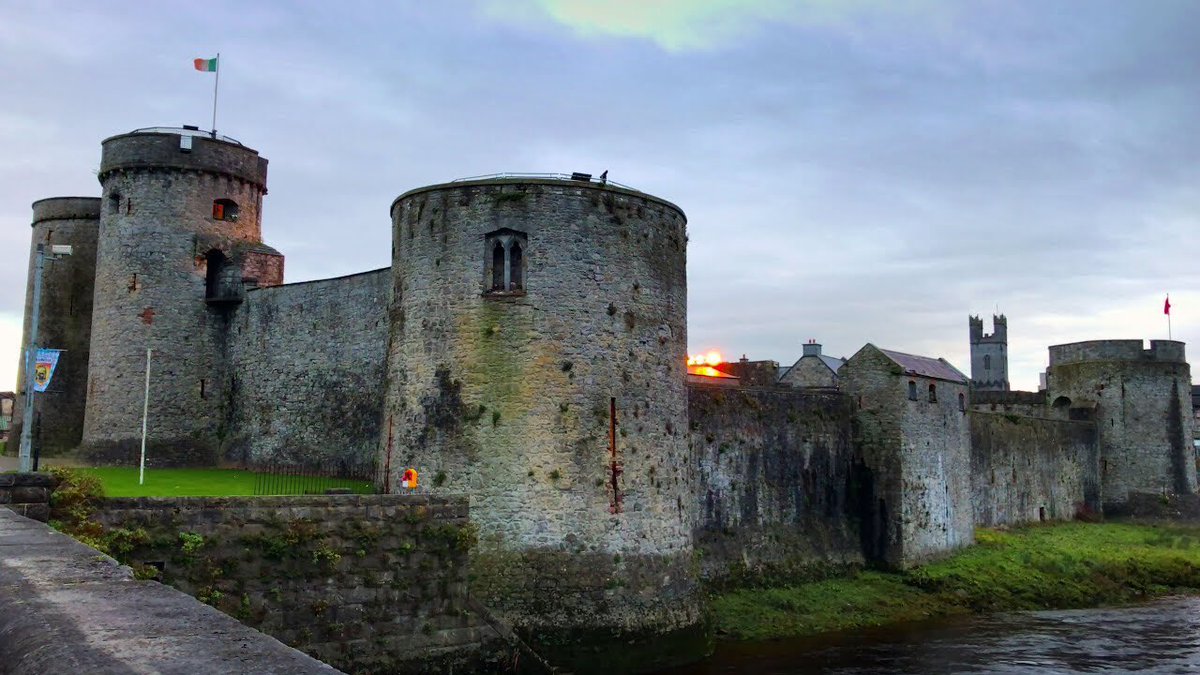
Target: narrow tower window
{"points": [[987, 361], [912, 390], [514, 261], [114, 203], [225, 209], [504, 272], [498, 261], [933, 393]]}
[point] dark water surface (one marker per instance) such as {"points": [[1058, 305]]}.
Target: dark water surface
{"points": [[1161, 637]]}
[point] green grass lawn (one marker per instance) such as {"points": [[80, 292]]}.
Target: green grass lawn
{"points": [[1069, 565], [123, 482]]}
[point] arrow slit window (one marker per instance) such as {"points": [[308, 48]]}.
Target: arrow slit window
{"points": [[505, 263]]}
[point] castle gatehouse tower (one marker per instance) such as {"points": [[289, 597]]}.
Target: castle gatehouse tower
{"points": [[1142, 408], [537, 362], [179, 237], [65, 319]]}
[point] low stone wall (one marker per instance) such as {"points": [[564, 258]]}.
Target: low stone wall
{"points": [[67, 608], [1028, 469], [27, 494], [369, 583], [776, 484]]}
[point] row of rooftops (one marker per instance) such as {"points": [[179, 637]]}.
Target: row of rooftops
{"points": [[755, 372]]}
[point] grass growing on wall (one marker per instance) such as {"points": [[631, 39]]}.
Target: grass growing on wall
{"points": [[1069, 565], [123, 482]]}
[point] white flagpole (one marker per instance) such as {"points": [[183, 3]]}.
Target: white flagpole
{"points": [[216, 83], [145, 412]]}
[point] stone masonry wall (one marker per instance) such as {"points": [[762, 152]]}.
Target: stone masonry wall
{"points": [[65, 322], [306, 374], [776, 487], [1032, 469], [368, 583], [27, 494], [936, 458]]}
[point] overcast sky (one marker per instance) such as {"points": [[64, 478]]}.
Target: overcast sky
{"points": [[852, 170]]}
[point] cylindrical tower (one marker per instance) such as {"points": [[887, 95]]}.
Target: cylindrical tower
{"points": [[180, 212], [537, 362], [65, 319], [1143, 412]]}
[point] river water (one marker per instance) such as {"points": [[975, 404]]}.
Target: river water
{"points": [[1161, 637]]}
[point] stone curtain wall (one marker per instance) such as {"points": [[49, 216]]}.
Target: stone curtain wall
{"points": [[1029, 469], [307, 364], [776, 487], [367, 583], [67, 608], [65, 322], [27, 494]]}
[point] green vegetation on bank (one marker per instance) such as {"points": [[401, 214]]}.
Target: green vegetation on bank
{"points": [[1069, 565], [123, 482]]}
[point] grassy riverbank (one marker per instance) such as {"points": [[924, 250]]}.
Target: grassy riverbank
{"points": [[1060, 566]]}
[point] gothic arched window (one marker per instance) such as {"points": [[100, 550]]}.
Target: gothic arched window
{"points": [[505, 258]]}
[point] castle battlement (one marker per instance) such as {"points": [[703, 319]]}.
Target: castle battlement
{"points": [[66, 208], [1167, 351], [186, 149]]}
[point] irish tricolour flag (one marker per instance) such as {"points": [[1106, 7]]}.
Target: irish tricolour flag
{"points": [[206, 65]]}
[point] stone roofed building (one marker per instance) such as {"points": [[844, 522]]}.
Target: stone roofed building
{"points": [[915, 444], [813, 369]]}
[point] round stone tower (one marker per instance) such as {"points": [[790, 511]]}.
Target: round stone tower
{"points": [[180, 212], [65, 320], [1143, 412], [537, 363]]}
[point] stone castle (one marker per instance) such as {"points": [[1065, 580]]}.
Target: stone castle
{"points": [[527, 347]]}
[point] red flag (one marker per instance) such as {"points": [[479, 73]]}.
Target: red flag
{"points": [[1167, 306]]}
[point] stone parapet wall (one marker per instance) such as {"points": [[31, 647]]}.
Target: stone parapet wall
{"points": [[27, 494], [67, 608], [1117, 350], [776, 488], [369, 583]]}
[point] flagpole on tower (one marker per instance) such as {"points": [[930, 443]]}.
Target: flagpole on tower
{"points": [[216, 83]]}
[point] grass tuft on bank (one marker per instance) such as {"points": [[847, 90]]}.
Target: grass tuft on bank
{"points": [[1068, 565]]}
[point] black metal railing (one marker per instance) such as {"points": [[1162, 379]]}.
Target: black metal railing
{"points": [[313, 478]]}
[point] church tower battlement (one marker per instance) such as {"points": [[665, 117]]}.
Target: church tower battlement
{"points": [[989, 354]]}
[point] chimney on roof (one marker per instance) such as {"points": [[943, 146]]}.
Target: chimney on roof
{"points": [[812, 348]]}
